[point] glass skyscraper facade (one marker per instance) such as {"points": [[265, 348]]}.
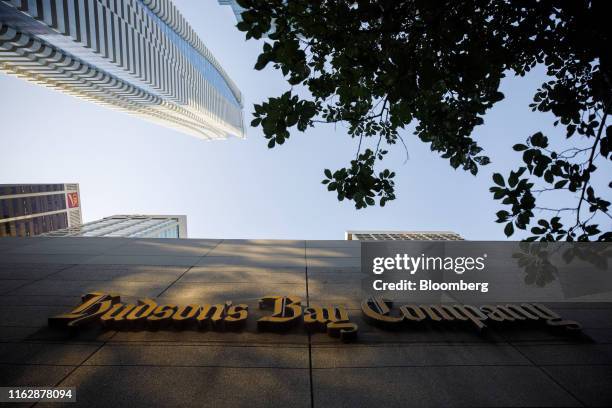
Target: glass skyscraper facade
{"points": [[130, 226], [138, 56], [35, 209], [402, 236], [236, 9]]}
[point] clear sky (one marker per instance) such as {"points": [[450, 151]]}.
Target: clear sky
{"points": [[239, 188]]}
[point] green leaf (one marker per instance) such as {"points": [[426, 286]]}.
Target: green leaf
{"points": [[498, 195], [328, 173], [243, 26], [592, 229], [519, 147], [499, 180], [509, 229], [548, 176], [502, 215], [539, 140], [544, 223], [262, 61], [513, 179]]}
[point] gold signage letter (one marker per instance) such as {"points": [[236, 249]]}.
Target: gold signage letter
{"points": [[236, 317], [376, 310], [160, 317], [116, 316], [412, 313], [347, 331], [554, 320], [215, 319], [500, 314], [287, 311], [333, 319], [185, 315], [138, 315], [94, 304], [473, 314]]}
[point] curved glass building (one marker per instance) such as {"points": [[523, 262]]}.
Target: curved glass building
{"points": [[138, 56]]}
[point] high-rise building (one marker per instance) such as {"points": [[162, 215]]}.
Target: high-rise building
{"points": [[235, 8], [137, 56], [130, 226], [34, 209], [402, 236]]}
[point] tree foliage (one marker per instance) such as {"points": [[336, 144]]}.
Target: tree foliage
{"points": [[379, 66]]}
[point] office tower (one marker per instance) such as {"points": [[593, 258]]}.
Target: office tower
{"points": [[402, 236], [130, 226], [137, 56], [235, 8], [34, 209]]}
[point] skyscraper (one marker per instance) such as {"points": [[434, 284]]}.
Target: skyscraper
{"points": [[130, 226], [236, 9], [138, 56], [402, 236], [34, 209]]}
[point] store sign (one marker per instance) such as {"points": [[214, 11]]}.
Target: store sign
{"points": [[73, 200], [287, 311], [378, 312]]}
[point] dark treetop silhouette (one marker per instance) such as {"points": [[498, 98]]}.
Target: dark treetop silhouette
{"points": [[380, 65]]}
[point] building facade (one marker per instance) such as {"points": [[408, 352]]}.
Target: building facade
{"points": [[184, 363], [137, 56], [402, 236], [35, 209], [236, 9], [129, 226]]}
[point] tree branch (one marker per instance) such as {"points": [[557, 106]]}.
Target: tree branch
{"points": [[557, 210], [590, 162]]}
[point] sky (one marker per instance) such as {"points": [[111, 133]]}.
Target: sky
{"points": [[238, 188]]}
